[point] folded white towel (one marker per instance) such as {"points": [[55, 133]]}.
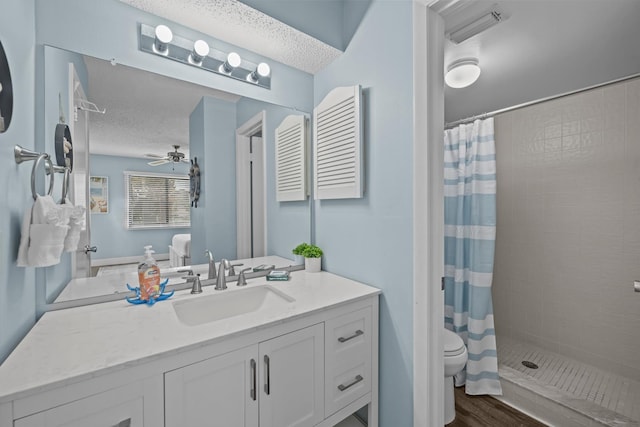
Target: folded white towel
{"points": [[76, 223], [46, 244], [23, 249], [44, 229]]}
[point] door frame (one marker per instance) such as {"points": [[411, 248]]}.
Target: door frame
{"points": [[77, 92], [428, 214], [243, 209]]}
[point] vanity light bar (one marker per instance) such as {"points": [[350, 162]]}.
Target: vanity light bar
{"points": [[197, 55]]}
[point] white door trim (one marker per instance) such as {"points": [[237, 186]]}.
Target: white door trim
{"points": [[428, 217], [243, 213]]}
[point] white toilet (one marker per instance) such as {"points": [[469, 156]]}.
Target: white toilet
{"points": [[455, 357]]}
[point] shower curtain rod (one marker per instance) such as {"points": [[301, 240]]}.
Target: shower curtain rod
{"points": [[449, 125]]}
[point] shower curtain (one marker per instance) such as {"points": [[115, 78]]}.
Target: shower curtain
{"points": [[470, 230]]}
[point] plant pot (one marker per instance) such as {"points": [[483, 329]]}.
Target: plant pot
{"points": [[312, 265], [298, 260]]}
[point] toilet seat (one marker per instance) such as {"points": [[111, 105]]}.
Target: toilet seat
{"points": [[453, 344]]}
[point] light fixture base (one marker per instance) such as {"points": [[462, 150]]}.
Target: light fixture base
{"points": [[180, 49]]}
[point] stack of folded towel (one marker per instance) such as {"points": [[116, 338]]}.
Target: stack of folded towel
{"points": [[48, 229]]}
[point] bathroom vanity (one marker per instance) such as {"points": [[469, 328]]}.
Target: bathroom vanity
{"points": [[302, 352]]}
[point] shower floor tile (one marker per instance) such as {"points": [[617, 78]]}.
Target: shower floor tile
{"points": [[572, 382]]}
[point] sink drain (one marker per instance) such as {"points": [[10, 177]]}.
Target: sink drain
{"points": [[529, 364]]}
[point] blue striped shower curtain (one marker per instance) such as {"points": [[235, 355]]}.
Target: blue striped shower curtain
{"points": [[470, 231]]}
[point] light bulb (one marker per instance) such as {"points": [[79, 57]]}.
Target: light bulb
{"points": [[233, 59], [163, 38], [200, 51], [263, 69]]}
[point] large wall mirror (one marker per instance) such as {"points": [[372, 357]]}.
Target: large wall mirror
{"points": [[126, 122]]}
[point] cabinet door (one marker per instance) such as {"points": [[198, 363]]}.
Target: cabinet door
{"points": [[120, 407], [217, 392], [292, 379]]}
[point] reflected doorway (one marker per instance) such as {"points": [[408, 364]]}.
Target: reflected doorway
{"points": [[250, 189]]}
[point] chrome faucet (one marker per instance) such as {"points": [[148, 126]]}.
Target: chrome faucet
{"points": [[196, 287], [212, 265], [221, 281]]}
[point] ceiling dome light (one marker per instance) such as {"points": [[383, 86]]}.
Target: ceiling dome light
{"points": [[163, 38], [462, 73]]}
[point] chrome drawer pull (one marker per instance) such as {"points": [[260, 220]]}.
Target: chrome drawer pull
{"points": [[357, 334], [355, 381]]}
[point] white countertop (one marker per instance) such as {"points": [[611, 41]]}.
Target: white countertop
{"points": [[67, 346], [115, 283]]}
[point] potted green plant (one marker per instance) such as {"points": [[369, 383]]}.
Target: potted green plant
{"points": [[297, 251], [312, 258]]}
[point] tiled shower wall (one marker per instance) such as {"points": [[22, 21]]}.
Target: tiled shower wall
{"points": [[568, 234]]}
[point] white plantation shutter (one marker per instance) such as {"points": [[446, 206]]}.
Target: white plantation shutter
{"points": [[157, 201], [291, 159], [337, 148]]}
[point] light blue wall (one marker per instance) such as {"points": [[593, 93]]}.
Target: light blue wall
{"points": [[288, 223], [17, 285], [320, 19], [212, 136], [370, 239], [108, 231], [333, 22], [108, 29]]}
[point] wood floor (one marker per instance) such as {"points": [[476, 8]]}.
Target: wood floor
{"points": [[485, 411]]}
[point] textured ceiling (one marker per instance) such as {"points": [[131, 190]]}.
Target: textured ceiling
{"points": [[243, 26], [145, 112]]}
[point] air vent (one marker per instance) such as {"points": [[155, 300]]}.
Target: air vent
{"points": [[338, 145], [476, 26], [291, 158]]}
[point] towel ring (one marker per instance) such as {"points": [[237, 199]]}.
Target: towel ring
{"points": [[48, 166]]}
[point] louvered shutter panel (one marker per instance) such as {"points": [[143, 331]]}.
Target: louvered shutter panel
{"points": [[338, 169], [291, 158]]}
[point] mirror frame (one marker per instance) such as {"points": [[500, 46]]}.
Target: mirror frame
{"points": [[41, 293], [6, 92]]}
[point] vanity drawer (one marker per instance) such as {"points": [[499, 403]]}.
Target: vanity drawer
{"points": [[347, 359], [121, 407]]}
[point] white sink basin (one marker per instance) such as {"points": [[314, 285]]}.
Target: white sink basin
{"points": [[229, 303]]}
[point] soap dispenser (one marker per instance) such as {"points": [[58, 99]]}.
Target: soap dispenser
{"points": [[148, 275]]}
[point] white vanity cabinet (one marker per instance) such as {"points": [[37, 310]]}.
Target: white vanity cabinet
{"points": [[311, 363], [276, 383]]}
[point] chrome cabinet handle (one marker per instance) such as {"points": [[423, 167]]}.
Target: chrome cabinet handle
{"points": [[267, 374], [124, 423], [357, 334], [88, 249], [356, 380], [253, 379]]}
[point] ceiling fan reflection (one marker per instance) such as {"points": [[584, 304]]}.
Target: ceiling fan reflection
{"points": [[171, 157]]}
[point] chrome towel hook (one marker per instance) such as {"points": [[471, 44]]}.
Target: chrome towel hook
{"points": [[24, 155]]}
